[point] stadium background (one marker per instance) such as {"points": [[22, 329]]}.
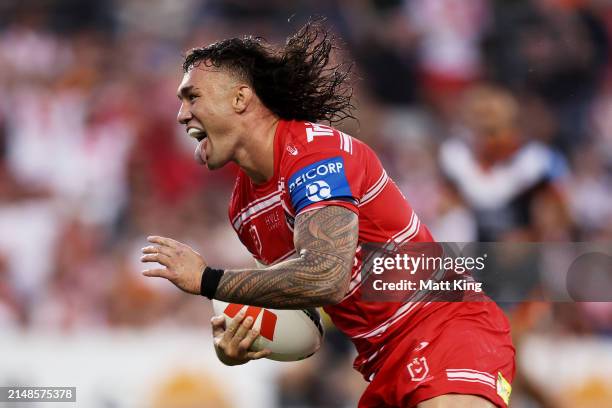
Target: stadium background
{"points": [[92, 161]]}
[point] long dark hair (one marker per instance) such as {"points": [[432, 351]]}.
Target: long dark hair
{"points": [[297, 81]]}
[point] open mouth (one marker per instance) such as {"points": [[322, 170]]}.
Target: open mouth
{"points": [[197, 134], [200, 151]]}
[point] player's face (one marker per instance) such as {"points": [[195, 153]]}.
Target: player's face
{"points": [[207, 113]]}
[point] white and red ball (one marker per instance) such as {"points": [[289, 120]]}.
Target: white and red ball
{"points": [[291, 335]]}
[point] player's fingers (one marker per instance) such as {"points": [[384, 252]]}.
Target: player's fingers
{"points": [[159, 258], [231, 329], [154, 249], [248, 340], [242, 332], [256, 355], [169, 242], [218, 325], [157, 273]]}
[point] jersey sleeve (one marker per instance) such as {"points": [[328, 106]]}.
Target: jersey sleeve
{"points": [[323, 173]]}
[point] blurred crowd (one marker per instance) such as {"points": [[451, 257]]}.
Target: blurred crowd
{"points": [[493, 117]]}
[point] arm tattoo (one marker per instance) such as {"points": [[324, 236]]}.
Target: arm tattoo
{"points": [[325, 240]]}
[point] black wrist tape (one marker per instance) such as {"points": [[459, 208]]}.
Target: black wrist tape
{"points": [[210, 281]]}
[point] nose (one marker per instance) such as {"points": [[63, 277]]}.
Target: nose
{"points": [[184, 115]]}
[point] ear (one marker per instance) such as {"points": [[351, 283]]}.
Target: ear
{"points": [[242, 98]]}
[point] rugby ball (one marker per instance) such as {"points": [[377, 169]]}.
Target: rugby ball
{"points": [[290, 335]]}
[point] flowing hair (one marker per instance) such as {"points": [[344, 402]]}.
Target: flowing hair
{"points": [[297, 81]]}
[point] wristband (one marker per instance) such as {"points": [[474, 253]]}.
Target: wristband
{"points": [[210, 281]]}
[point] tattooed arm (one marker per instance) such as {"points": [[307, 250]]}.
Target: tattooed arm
{"points": [[325, 240]]}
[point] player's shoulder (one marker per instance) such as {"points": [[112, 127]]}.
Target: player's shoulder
{"points": [[317, 141], [314, 166]]}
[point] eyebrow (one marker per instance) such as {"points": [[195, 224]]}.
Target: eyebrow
{"points": [[184, 91]]}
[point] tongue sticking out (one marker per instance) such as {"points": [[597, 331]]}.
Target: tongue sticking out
{"points": [[200, 152]]}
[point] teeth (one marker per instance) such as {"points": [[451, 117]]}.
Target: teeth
{"points": [[193, 132]]}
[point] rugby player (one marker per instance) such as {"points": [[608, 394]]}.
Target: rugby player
{"points": [[306, 198]]}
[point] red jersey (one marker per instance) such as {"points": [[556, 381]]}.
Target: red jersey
{"points": [[316, 166]]}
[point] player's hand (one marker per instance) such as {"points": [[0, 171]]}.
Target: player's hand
{"points": [[183, 265], [232, 344]]}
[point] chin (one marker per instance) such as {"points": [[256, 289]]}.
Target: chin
{"points": [[211, 165]]}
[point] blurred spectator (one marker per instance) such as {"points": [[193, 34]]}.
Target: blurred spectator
{"points": [[553, 48], [502, 175], [590, 193], [382, 41]]}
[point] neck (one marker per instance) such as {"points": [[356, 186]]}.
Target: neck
{"points": [[256, 155]]}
